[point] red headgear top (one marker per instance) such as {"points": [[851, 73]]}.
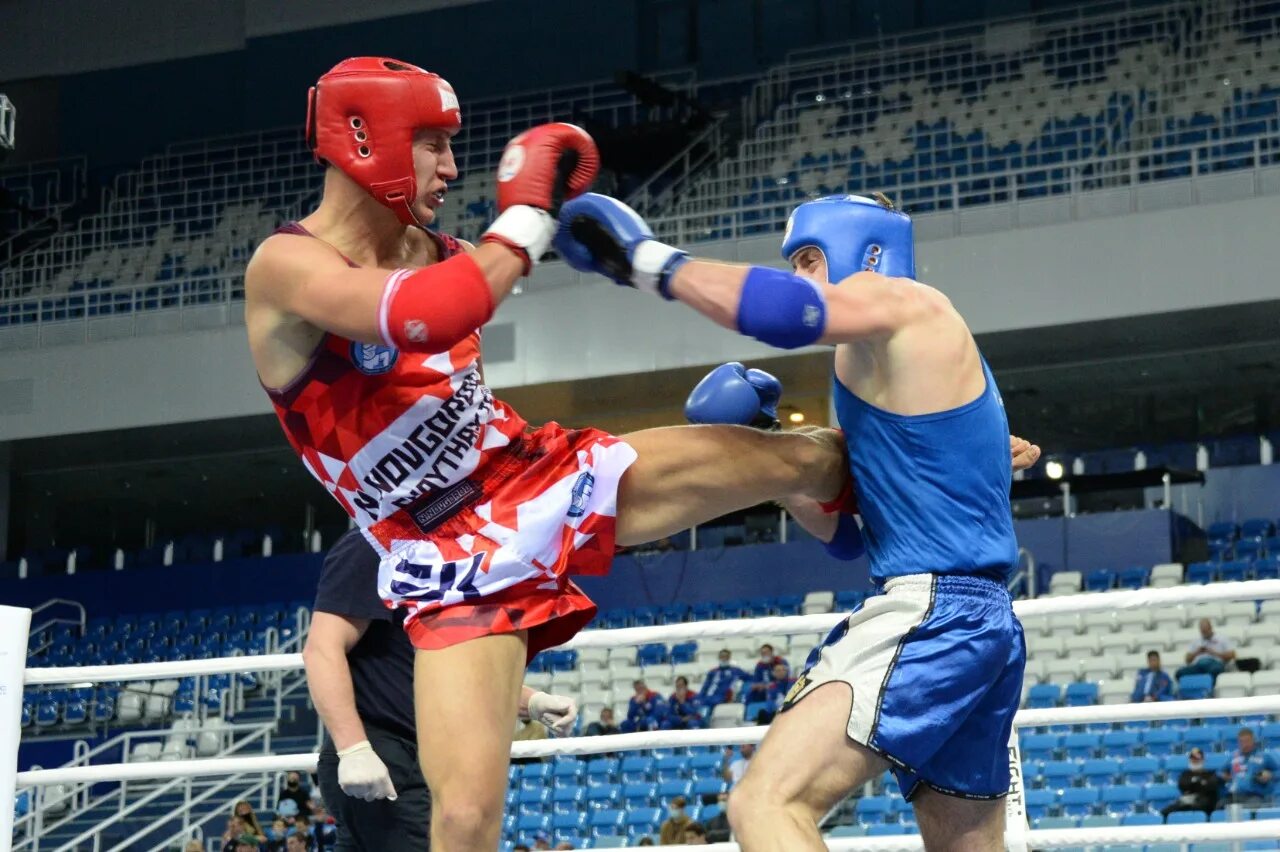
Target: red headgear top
{"points": [[361, 117]]}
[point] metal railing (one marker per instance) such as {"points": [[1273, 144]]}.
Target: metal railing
{"points": [[720, 218]]}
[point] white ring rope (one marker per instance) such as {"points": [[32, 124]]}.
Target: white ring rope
{"points": [[1200, 708], [769, 625], [1044, 838]]}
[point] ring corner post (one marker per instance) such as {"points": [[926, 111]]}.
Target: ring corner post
{"points": [[15, 623]]}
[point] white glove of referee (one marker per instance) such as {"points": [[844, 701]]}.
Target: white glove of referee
{"points": [[557, 712], [363, 775]]}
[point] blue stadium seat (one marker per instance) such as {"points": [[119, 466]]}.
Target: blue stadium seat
{"points": [[604, 796], [847, 601], [1202, 572], [1134, 578], [887, 830], [1186, 817], [1100, 580], [709, 786], [533, 822], [1081, 746], [1059, 822], [848, 831], [1138, 770], [1039, 802], [1060, 773], [1079, 801], [673, 768], [534, 799], [1100, 771], [1195, 686], [1246, 550], [638, 767], [645, 819], [535, 771], [1081, 694], [1237, 569], [1044, 695], [1121, 742], [1142, 819], [639, 794], [575, 821], [1257, 528], [870, 810], [1161, 741], [1121, 798], [1223, 531], [1100, 821], [1158, 796], [685, 652], [606, 818], [1207, 737], [566, 769], [789, 604], [1268, 568], [567, 798], [602, 770], [669, 789], [1040, 746], [652, 654]]}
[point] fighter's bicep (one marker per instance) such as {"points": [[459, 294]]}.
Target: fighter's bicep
{"points": [[306, 279], [866, 306]]}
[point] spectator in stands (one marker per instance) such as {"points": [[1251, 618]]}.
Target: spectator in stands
{"points": [[235, 828], [776, 692], [541, 841], [644, 711], [1198, 787], [297, 842], [735, 766], [718, 826], [564, 844], [245, 812], [324, 827], [1209, 654], [672, 831], [520, 847], [277, 832], [1251, 776], [722, 682], [247, 842], [645, 841], [695, 834], [193, 845], [294, 789], [605, 725], [683, 709], [763, 675], [1153, 683]]}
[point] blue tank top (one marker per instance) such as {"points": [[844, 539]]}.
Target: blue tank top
{"points": [[933, 488]]}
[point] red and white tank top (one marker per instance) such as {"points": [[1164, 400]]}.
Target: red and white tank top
{"points": [[383, 429]]}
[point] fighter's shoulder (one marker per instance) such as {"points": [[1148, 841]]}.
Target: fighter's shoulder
{"points": [[284, 259]]}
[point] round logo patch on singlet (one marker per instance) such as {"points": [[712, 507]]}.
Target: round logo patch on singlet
{"points": [[373, 359]]}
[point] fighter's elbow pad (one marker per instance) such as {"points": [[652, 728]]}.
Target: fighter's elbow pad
{"points": [[434, 308]]}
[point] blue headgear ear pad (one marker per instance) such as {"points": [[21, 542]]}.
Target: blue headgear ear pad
{"points": [[855, 234]]}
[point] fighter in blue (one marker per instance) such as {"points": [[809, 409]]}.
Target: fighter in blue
{"points": [[925, 677]]}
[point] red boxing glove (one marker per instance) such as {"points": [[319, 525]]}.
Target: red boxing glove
{"points": [[546, 166], [540, 170]]}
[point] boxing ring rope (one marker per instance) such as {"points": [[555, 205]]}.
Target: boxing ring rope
{"points": [[768, 625], [782, 625]]}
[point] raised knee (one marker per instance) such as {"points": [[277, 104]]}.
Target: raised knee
{"points": [[466, 823]]}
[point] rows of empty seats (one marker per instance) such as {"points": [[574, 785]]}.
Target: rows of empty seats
{"points": [[951, 122], [172, 635], [192, 214]]}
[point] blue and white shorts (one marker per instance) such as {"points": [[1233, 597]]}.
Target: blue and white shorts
{"points": [[935, 664]]}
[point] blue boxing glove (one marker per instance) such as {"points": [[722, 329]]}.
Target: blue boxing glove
{"points": [[847, 544], [601, 234], [735, 395]]}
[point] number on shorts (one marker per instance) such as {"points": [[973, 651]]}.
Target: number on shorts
{"points": [[414, 580]]}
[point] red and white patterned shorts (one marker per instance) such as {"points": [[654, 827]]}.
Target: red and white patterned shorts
{"points": [[492, 554]]}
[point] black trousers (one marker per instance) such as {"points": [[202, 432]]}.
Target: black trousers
{"points": [[381, 826]]}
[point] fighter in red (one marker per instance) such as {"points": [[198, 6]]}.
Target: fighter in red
{"points": [[364, 329]]}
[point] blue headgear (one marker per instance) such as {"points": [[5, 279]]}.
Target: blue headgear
{"points": [[855, 234]]}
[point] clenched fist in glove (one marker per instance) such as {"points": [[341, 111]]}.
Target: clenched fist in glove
{"points": [[363, 775], [557, 712], [540, 169]]}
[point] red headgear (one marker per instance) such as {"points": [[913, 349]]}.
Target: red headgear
{"points": [[361, 117]]}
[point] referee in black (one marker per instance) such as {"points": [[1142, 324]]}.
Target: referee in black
{"points": [[359, 664]]}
